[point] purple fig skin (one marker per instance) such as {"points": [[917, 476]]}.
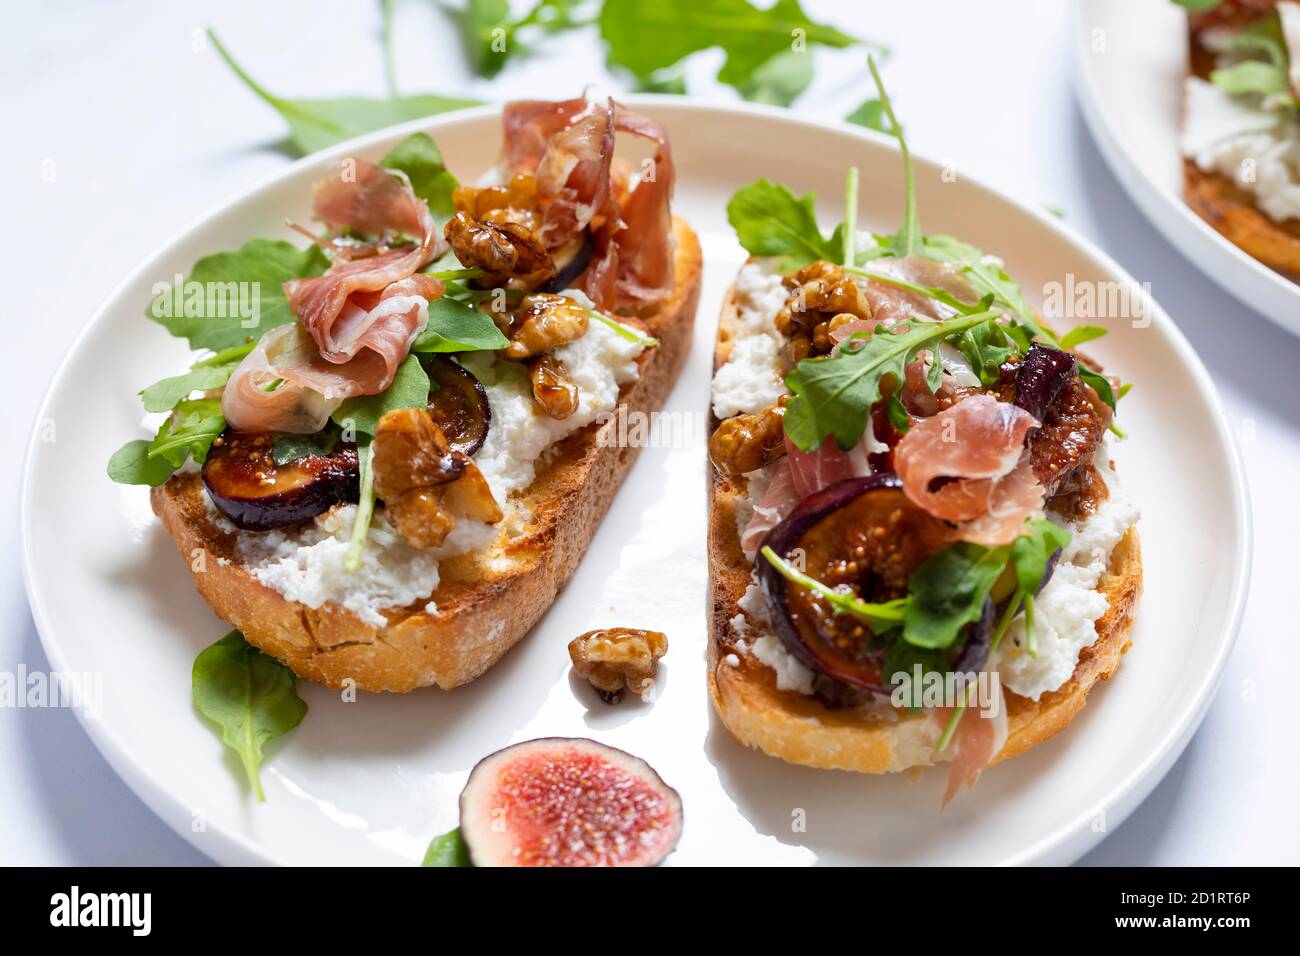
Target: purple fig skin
{"points": [[480, 834], [783, 539], [975, 653], [1040, 377], [459, 404], [256, 494], [567, 272]]}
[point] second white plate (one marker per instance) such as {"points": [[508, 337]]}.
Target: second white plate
{"points": [[1130, 58]]}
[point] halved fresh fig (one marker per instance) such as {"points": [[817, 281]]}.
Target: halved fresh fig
{"points": [[571, 261], [562, 801], [861, 532], [1040, 377], [458, 402], [248, 487]]}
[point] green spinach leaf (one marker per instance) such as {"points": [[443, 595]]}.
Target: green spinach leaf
{"points": [[251, 697]]}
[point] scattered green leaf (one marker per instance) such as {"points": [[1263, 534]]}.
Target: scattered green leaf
{"points": [[770, 221], [1080, 334], [251, 697], [319, 124], [420, 159], [457, 327], [447, 850], [409, 389], [132, 465]]}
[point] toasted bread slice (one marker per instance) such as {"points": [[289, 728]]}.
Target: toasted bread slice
{"points": [[487, 600], [1228, 208], [799, 729]]}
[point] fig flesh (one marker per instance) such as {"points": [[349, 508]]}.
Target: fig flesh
{"points": [[458, 402], [860, 532], [562, 801], [256, 494]]}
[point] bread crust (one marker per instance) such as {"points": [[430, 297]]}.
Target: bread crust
{"points": [[1230, 210], [799, 729], [487, 600]]}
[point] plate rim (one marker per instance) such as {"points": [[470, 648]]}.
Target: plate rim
{"points": [[1268, 291], [1068, 841]]}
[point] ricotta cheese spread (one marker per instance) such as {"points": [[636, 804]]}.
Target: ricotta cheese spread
{"points": [[1258, 149], [754, 375], [306, 564]]}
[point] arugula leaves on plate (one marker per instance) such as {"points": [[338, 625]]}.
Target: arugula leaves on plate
{"points": [[231, 297], [456, 326], [316, 124], [253, 698], [447, 850], [420, 159], [771, 222], [206, 374], [187, 433], [833, 394]]}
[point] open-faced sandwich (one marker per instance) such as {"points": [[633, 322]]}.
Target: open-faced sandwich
{"points": [[919, 550], [1241, 125], [385, 470]]}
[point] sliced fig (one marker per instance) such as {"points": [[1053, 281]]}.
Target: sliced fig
{"points": [[1040, 377], [571, 261], [861, 532], [248, 487], [562, 801], [458, 402]]}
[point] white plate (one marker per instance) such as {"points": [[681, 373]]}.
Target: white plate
{"points": [[1130, 59], [371, 781]]}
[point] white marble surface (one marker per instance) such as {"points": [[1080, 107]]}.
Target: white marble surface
{"points": [[122, 127]]}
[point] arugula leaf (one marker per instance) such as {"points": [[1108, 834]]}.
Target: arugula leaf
{"points": [[1080, 334], [207, 374], [237, 295], [880, 617], [189, 432], [1250, 76], [457, 327], [490, 36], [908, 237], [409, 389], [671, 80], [987, 347], [318, 124], [1100, 384], [781, 79], [646, 37], [871, 114], [420, 159], [1198, 6], [447, 850], [770, 221], [1030, 554], [251, 697], [132, 465], [624, 331], [833, 394], [947, 592]]}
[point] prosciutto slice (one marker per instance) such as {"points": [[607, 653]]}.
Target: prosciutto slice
{"points": [[976, 445], [335, 308], [529, 125], [811, 471], [976, 741], [285, 384], [573, 178], [645, 243], [778, 501]]}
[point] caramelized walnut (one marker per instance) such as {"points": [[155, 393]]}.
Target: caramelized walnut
{"points": [[514, 202], [507, 252], [744, 443], [423, 482], [822, 298], [552, 389], [618, 659], [543, 321]]}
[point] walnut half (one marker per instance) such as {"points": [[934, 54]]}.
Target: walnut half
{"points": [[618, 659]]}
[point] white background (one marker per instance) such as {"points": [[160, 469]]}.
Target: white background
{"points": [[144, 130]]}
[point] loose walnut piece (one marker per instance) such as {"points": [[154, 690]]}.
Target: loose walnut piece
{"points": [[422, 482], [618, 659], [744, 443], [506, 251], [543, 321], [822, 298], [552, 389]]}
